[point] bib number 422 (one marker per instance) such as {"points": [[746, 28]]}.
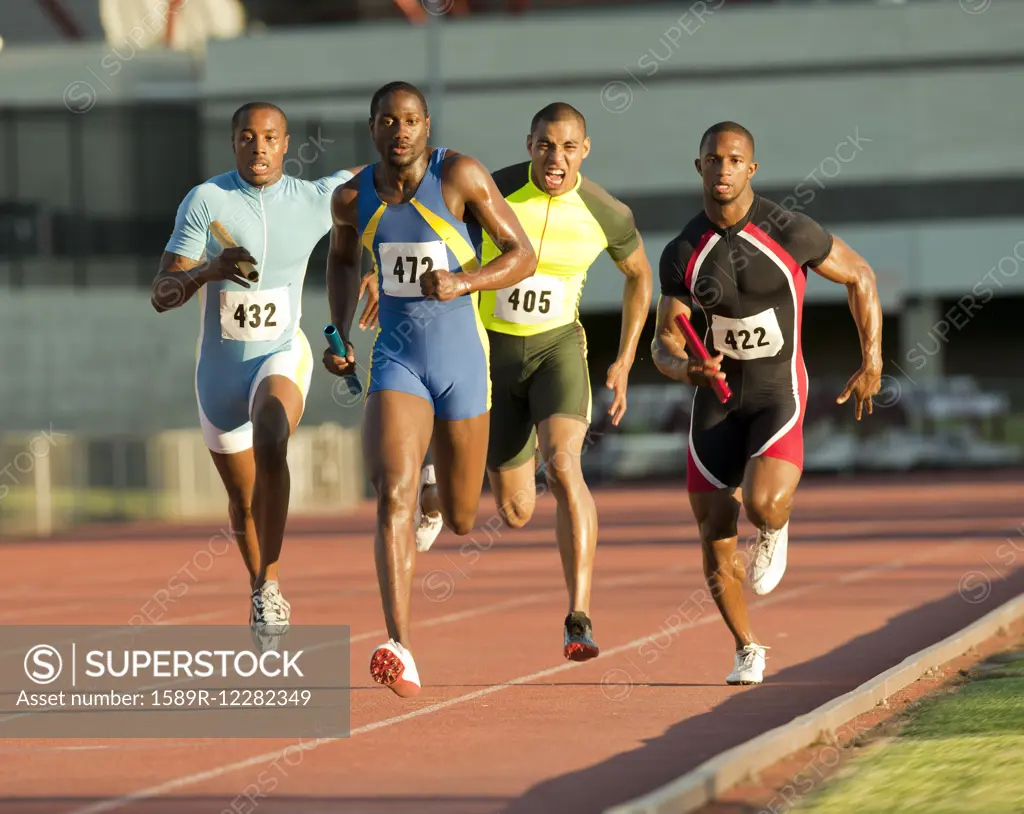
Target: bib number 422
{"points": [[748, 340], [755, 337]]}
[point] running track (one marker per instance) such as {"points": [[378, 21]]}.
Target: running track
{"points": [[504, 724]]}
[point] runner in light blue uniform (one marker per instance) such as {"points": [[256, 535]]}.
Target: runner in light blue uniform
{"points": [[251, 349], [246, 335]]}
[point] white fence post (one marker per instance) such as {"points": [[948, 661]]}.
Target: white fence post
{"points": [[44, 495]]}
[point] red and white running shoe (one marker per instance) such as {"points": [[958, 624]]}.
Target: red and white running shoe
{"points": [[393, 666]]}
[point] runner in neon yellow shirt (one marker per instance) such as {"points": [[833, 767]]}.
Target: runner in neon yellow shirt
{"points": [[540, 381]]}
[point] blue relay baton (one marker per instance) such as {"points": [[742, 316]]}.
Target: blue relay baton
{"points": [[334, 340]]}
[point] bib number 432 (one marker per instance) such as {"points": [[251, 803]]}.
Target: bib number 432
{"points": [[253, 316], [256, 316]]}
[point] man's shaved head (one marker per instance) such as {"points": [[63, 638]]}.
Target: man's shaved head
{"points": [[727, 127], [558, 112], [726, 163]]}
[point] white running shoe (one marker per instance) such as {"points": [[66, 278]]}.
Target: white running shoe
{"points": [[427, 526], [269, 616], [393, 666], [768, 560], [748, 667]]}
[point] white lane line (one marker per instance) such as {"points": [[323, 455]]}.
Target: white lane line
{"points": [[455, 616], [115, 803]]}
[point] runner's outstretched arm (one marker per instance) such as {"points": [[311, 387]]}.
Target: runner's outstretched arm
{"points": [[484, 203], [844, 265], [343, 275], [636, 304]]}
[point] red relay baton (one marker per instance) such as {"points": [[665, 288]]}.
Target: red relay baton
{"points": [[697, 348]]}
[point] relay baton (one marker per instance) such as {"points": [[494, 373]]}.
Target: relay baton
{"points": [[221, 235], [334, 340], [697, 349]]}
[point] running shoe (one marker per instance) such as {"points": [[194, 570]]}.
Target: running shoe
{"points": [[269, 616], [579, 646], [748, 666], [427, 526], [393, 666], [768, 560]]}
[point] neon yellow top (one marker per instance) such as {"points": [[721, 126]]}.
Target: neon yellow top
{"points": [[567, 232]]}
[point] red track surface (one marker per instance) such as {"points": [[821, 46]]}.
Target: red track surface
{"points": [[505, 724]]}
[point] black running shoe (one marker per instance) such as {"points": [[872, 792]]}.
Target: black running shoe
{"points": [[579, 646]]}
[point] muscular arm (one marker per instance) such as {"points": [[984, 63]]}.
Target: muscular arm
{"points": [[844, 265], [636, 299], [343, 260], [485, 203], [179, 276], [177, 280], [668, 349]]}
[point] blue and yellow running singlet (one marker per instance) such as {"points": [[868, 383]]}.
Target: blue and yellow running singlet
{"points": [[435, 350]]}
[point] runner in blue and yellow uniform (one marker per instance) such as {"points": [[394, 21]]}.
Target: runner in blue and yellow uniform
{"points": [[421, 213], [253, 362], [539, 349]]}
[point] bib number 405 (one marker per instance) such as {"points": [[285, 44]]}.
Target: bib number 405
{"points": [[535, 301], [530, 300]]}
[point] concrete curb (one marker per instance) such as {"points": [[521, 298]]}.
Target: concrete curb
{"points": [[702, 785]]}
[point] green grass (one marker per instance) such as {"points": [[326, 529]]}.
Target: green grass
{"points": [[89, 501], [960, 752], [74, 507]]}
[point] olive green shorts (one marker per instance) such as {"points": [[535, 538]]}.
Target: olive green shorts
{"points": [[534, 378]]}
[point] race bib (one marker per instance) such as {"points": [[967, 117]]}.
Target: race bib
{"points": [[752, 337], [535, 300], [254, 316], [402, 264]]}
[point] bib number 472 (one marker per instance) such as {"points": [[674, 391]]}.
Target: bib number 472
{"points": [[400, 270], [403, 264]]}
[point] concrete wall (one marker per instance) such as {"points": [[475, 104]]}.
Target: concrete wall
{"points": [[105, 362]]}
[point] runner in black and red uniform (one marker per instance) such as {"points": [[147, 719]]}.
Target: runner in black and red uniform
{"points": [[743, 263]]}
